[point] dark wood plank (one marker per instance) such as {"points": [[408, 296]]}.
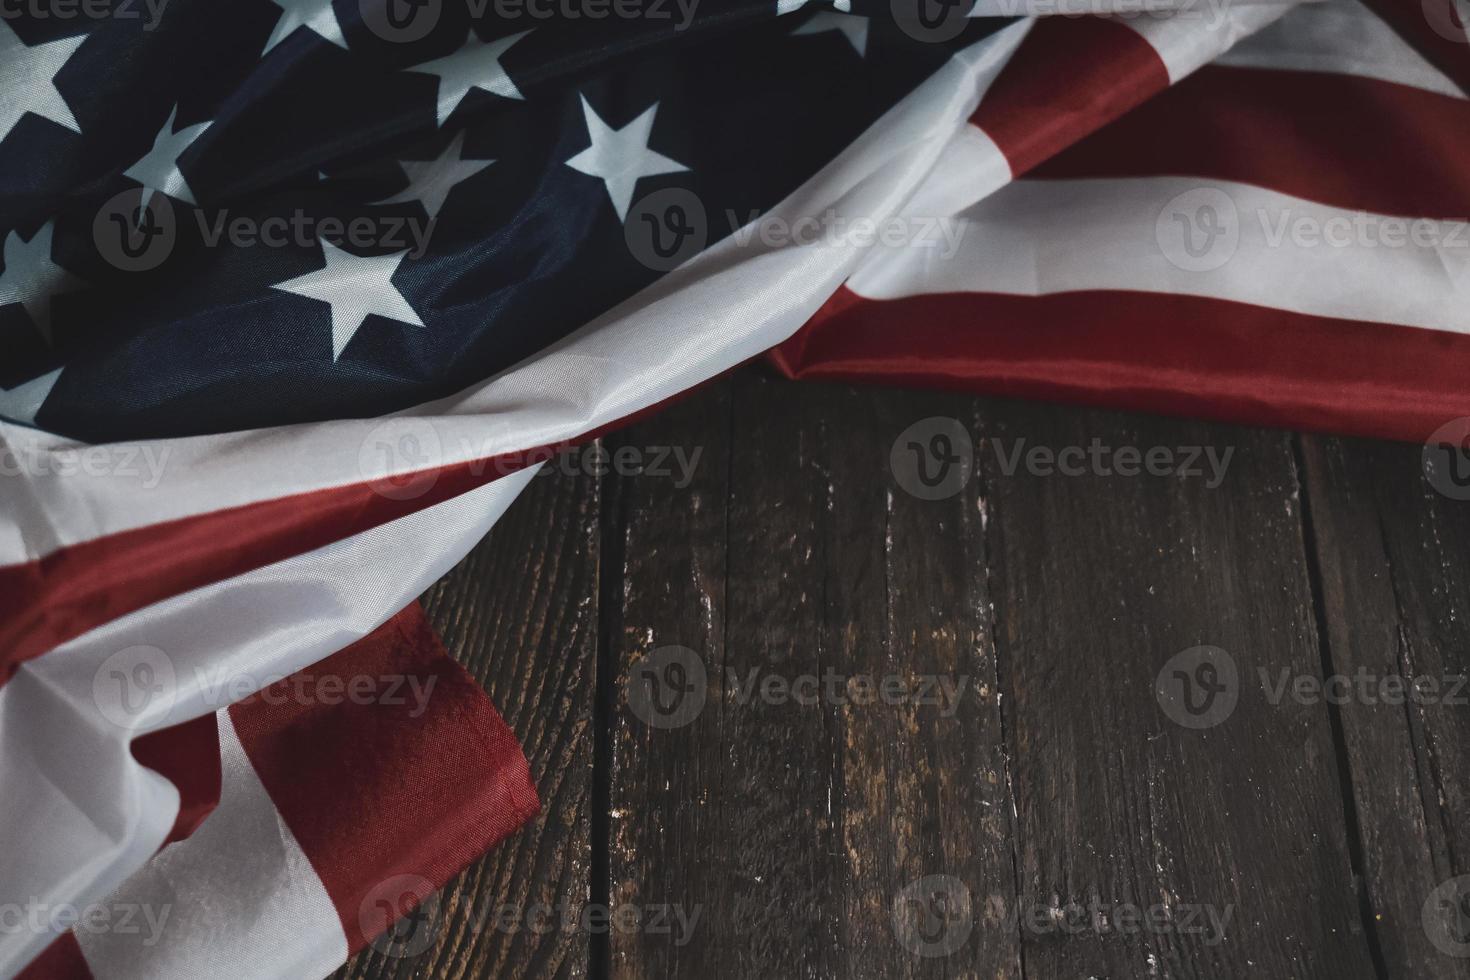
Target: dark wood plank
{"points": [[796, 829], [1394, 556], [520, 613], [1099, 581], [665, 559]]}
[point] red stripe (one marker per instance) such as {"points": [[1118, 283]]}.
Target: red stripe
{"points": [[46, 602], [1173, 355], [51, 600], [374, 789], [62, 960], [186, 755], [1069, 77], [1351, 142]]}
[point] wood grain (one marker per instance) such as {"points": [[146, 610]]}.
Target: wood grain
{"points": [[520, 613], [775, 835], [1098, 582], [1395, 571], [795, 827]]}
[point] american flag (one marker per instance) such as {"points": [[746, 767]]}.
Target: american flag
{"points": [[294, 291]]}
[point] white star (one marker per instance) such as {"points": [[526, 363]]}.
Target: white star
{"points": [[31, 278], [476, 65], [22, 402], [854, 27], [356, 287], [30, 79], [790, 6], [430, 181], [621, 156], [314, 15], [159, 168]]}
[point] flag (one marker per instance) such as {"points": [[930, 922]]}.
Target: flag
{"points": [[299, 292], [1279, 237]]}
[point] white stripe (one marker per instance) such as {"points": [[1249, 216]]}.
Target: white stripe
{"points": [[1121, 8], [89, 813], [1342, 37], [236, 899], [1044, 237], [742, 299], [727, 304], [1190, 39]]}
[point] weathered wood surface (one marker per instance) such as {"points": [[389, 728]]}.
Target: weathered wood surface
{"points": [[1052, 820], [520, 613], [1396, 590]]}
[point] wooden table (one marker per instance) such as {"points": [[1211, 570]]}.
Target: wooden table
{"points": [[1055, 821]]}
